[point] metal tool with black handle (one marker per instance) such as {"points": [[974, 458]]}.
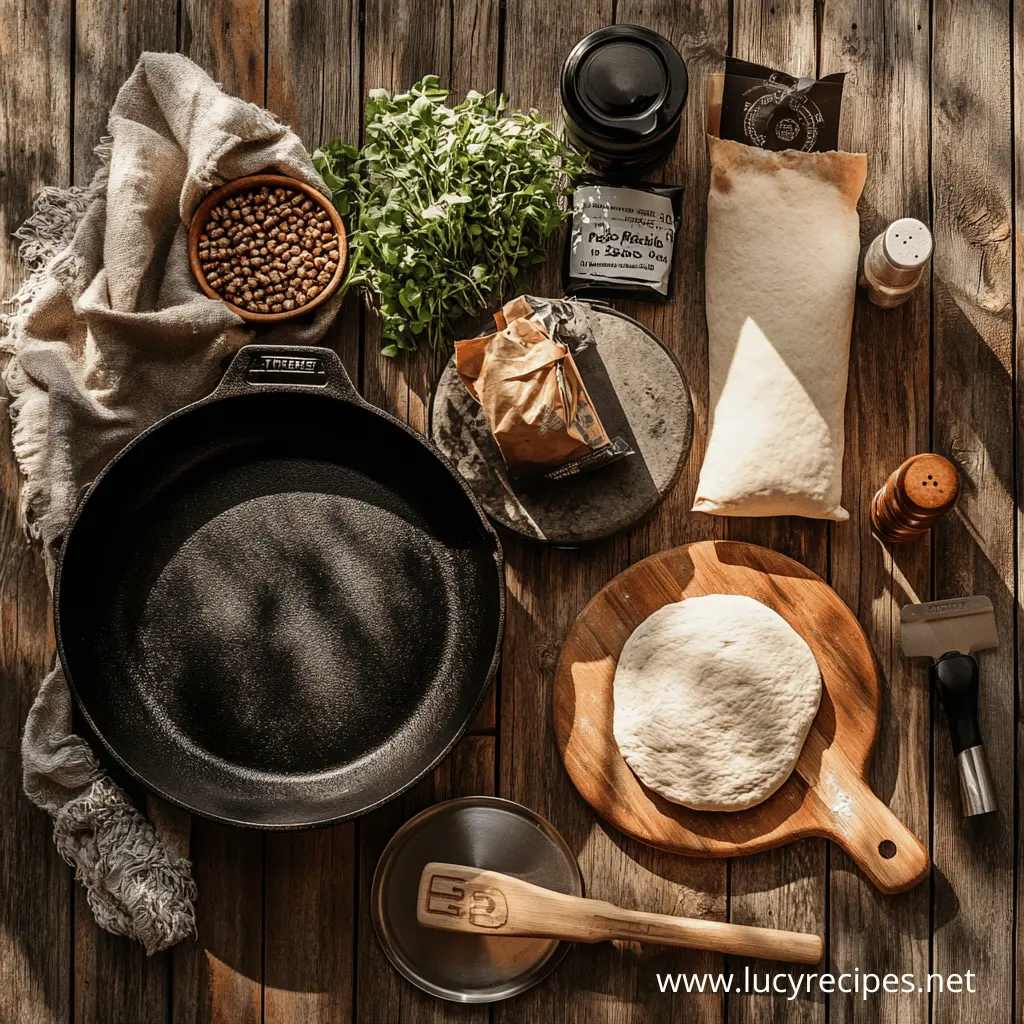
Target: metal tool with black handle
{"points": [[949, 632]]}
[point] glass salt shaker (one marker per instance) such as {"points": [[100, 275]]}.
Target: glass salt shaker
{"points": [[896, 261]]}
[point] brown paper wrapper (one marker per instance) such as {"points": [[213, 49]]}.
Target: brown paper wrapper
{"points": [[531, 392]]}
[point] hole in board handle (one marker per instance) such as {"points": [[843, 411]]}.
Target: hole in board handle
{"points": [[887, 849]]}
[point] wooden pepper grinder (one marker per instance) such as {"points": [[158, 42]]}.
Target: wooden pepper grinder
{"points": [[915, 497]]}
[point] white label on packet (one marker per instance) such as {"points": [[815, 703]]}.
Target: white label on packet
{"points": [[622, 234]]}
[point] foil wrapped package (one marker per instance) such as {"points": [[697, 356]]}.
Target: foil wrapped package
{"points": [[527, 383]]}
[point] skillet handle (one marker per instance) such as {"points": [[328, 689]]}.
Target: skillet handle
{"points": [[287, 367]]}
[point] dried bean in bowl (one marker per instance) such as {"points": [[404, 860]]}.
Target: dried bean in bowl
{"points": [[268, 249]]}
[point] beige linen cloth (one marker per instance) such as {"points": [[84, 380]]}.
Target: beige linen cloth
{"points": [[110, 334]]}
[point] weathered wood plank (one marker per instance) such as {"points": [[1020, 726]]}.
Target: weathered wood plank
{"points": [[458, 42], [606, 982], [885, 50], [1018, 192], [309, 909], [108, 41], [546, 589], [218, 978], [383, 994], [972, 161], [35, 885], [402, 43], [475, 64], [226, 38], [783, 888], [1018, 128], [313, 75], [115, 982], [114, 979]]}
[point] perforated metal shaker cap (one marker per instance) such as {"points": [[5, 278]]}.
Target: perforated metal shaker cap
{"points": [[907, 243], [484, 832]]}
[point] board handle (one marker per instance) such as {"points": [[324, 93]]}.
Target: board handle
{"points": [[882, 846]]}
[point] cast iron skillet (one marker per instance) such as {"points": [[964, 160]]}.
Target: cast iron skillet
{"points": [[279, 607]]}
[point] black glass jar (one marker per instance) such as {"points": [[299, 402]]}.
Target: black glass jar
{"points": [[623, 89]]}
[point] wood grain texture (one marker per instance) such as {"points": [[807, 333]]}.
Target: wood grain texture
{"points": [[384, 996], [109, 38], [217, 978], [309, 954], [785, 886], [402, 43], [226, 39], [115, 982], [35, 884], [340, 73], [972, 166], [313, 84], [1018, 498], [458, 42], [884, 49], [827, 792], [547, 588]]}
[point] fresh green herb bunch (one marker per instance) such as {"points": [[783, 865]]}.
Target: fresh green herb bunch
{"points": [[444, 205]]}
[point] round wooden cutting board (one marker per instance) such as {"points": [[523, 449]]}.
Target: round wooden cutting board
{"points": [[827, 794]]}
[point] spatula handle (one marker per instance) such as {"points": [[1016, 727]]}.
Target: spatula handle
{"points": [[599, 920]]}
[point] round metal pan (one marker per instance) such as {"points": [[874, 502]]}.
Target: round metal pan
{"points": [[279, 607], [484, 832]]}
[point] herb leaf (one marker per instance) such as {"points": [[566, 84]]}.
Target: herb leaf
{"points": [[444, 204]]}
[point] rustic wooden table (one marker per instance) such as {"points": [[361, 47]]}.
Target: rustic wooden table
{"points": [[284, 922]]}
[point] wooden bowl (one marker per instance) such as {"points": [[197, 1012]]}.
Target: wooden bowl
{"points": [[218, 195]]}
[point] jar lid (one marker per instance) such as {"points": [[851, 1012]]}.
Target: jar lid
{"points": [[623, 85]]}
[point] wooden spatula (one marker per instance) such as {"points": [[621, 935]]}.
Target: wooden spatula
{"points": [[457, 898]]}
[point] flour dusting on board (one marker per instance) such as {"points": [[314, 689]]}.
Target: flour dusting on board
{"points": [[838, 800]]}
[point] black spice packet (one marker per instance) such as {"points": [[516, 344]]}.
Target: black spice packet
{"points": [[622, 242], [773, 110]]}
